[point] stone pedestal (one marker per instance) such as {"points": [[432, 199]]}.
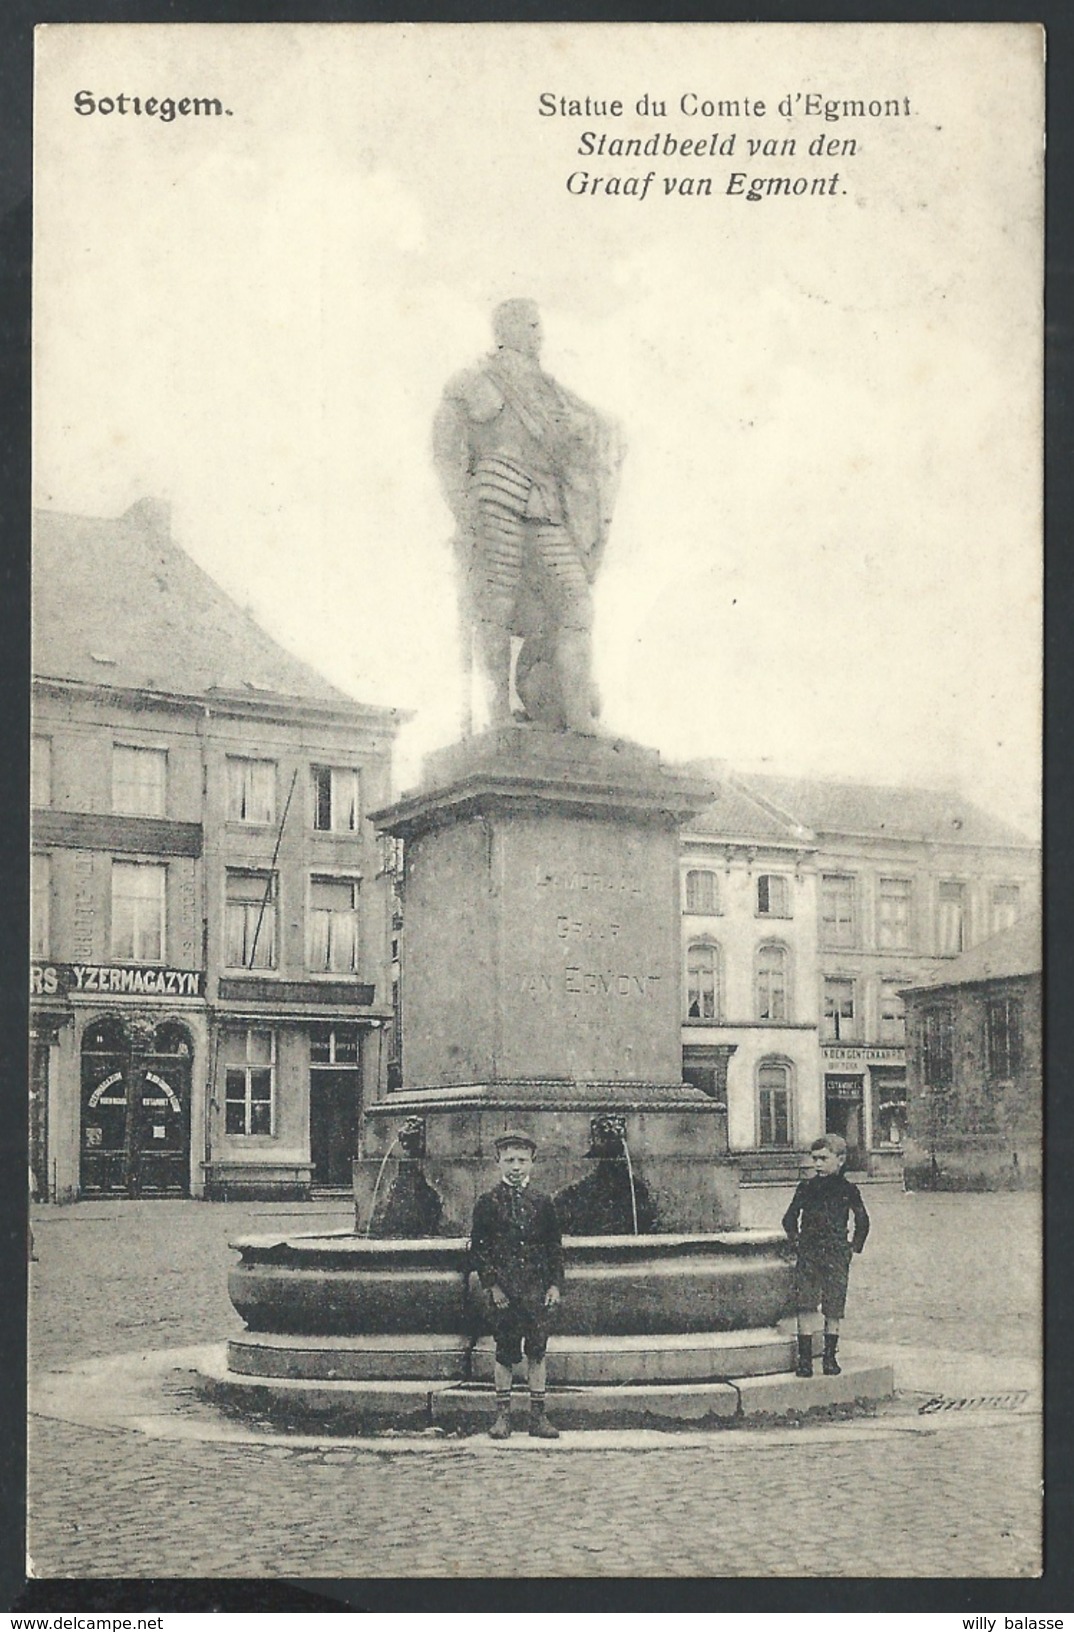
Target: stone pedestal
{"points": [[540, 972]]}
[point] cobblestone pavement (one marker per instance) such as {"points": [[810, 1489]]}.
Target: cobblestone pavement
{"points": [[114, 1278]]}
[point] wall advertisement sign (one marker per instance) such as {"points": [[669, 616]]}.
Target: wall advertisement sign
{"points": [[136, 979], [835, 1054]]}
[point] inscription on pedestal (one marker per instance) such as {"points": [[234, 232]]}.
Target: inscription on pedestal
{"points": [[592, 983], [588, 945], [542, 944], [588, 879]]}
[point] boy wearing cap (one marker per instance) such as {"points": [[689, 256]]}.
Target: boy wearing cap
{"points": [[817, 1222], [517, 1250]]}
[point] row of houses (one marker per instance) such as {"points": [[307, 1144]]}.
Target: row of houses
{"points": [[218, 939], [210, 987], [809, 909]]}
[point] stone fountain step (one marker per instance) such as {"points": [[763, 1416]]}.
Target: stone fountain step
{"points": [[342, 1407], [572, 1360], [372, 1357], [782, 1396], [662, 1357], [415, 1404], [469, 1407]]}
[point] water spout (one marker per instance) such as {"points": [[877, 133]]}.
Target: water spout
{"points": [[376, 1187], [630, 1176]]}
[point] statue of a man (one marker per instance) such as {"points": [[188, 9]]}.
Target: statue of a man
{"points": [[530, 473]]}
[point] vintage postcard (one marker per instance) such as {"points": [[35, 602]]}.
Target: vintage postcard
{"points": [[536, 969]]}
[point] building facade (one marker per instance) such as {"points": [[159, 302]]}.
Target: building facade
{"points": [[975, 1080], [825, 901], [749, 959], [210, 980]]}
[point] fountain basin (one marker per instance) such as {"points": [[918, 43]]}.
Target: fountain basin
{"points": [[615, 1286]]}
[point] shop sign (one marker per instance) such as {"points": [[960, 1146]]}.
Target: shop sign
{"points": [[100, 1095], [168, 1092], [863, 1056], [843, 1088], [136, 979]]}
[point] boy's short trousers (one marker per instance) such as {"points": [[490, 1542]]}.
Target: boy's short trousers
{"points": [[516, 1325], [822, 1281]]}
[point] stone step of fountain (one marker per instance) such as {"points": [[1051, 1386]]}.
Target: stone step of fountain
{"points": [[669, 1357], [339, 1406], [375, 1356], [468, 1408], [783, 1396], [368, 1405], [651, 1358]]}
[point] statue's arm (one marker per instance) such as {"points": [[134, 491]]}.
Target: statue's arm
{"points": [[451, 454]]}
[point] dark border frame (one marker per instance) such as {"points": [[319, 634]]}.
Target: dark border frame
{"points": [[1055, 1591]]}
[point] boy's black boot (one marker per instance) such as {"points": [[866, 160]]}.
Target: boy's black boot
{"points": [[831, 1366], [540, 1427], [804, 1368], [501, 1428]]}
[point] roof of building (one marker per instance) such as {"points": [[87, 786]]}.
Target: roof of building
{"points": [[735, 814], [117, 603], [1004, 956], [928, 814]]}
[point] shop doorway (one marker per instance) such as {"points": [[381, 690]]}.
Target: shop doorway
{"points": [[335, 1105], [844, 1102], [135, 1109]]}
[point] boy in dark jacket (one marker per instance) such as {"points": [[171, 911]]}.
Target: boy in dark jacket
{"points": [[817, 1222], [517, 1251]]}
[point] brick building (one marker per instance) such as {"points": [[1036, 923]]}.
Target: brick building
{"points": [[975, 1063], [210, 974]]}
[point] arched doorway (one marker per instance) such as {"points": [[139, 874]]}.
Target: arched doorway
{"points": [[136, 1109]]}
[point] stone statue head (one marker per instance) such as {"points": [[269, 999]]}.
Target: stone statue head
{"points": [[516, 325]]}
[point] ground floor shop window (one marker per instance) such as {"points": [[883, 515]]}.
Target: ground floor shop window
{"points": [[250, 1065], [889, 1107]]}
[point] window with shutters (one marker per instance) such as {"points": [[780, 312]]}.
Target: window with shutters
{"points": [[139, 778], [702, 981], [774, 1119], [951, 919], [334, 798], [702, 893], [333, 925], [250, 919], [773, 1001], [840, 1022], [251, 790], [773, 896], [893, 916], [139, 891], [838, 925]]}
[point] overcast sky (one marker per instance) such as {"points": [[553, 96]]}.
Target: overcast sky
{"points": [[825, 557]]}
